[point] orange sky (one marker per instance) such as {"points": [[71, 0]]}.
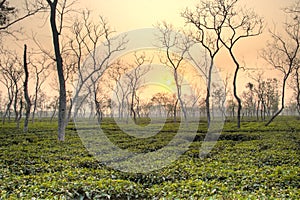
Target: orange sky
{"points": [[126, 15], [133, 14]]}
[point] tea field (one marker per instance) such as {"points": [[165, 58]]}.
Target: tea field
{"points": [[254, 162]]}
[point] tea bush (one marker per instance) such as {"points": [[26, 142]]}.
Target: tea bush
{"points": [[254, 162]]}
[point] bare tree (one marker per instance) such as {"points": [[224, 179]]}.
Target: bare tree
{"points": [[57, 11], [239, 24], [39, 66], [249, 101], [259, 90], [295, 85], [135, 80], [222, 23], [120, 89], [295, 10], [283, 51], [12, 75], [86, 37], [219, 99], [8, 83], [102, 101], [193, 98], [208, 22], [177, 46]]}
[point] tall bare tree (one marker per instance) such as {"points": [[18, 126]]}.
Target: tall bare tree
{"points": [[239, 24], [9, 85], [223, 23], [56, 29], [39, 66], [176, 45], [135, 80], [120, 89], [282, 53], [11, 76], [207, 22], [86, 36]]}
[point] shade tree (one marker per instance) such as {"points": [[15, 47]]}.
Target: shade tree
{"points": [[114, 80], [90, 64], [135, 79], [282, 52], [176, 45], [39, 66], [11, 77], [57, 12], [206, 25], [224, 23]]}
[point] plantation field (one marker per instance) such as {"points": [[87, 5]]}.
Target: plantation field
{"points": [[254, 162]]}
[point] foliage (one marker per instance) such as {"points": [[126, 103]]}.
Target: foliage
{"points": [[254, 162]]}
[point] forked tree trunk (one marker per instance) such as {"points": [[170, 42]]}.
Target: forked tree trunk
{"points": [[282, 101], [179, 98]]}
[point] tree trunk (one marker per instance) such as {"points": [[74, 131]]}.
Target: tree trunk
{"points": [[34, 109], [257, 111], [7, 111], [207, 99], [60, 72], [298, 89], [138, 106], [175, 111], [69, 112], [207, 106], [35, 98], [235, 90], [20, 113], [282, 101], [16, 102], [132, 113], [54, 111], [28, 103], [178, 86], [98, 109]]}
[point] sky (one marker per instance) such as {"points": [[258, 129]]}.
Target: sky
{"points": [[128, 15]]}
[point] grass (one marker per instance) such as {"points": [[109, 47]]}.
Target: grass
{"points": [[254, 162]]}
